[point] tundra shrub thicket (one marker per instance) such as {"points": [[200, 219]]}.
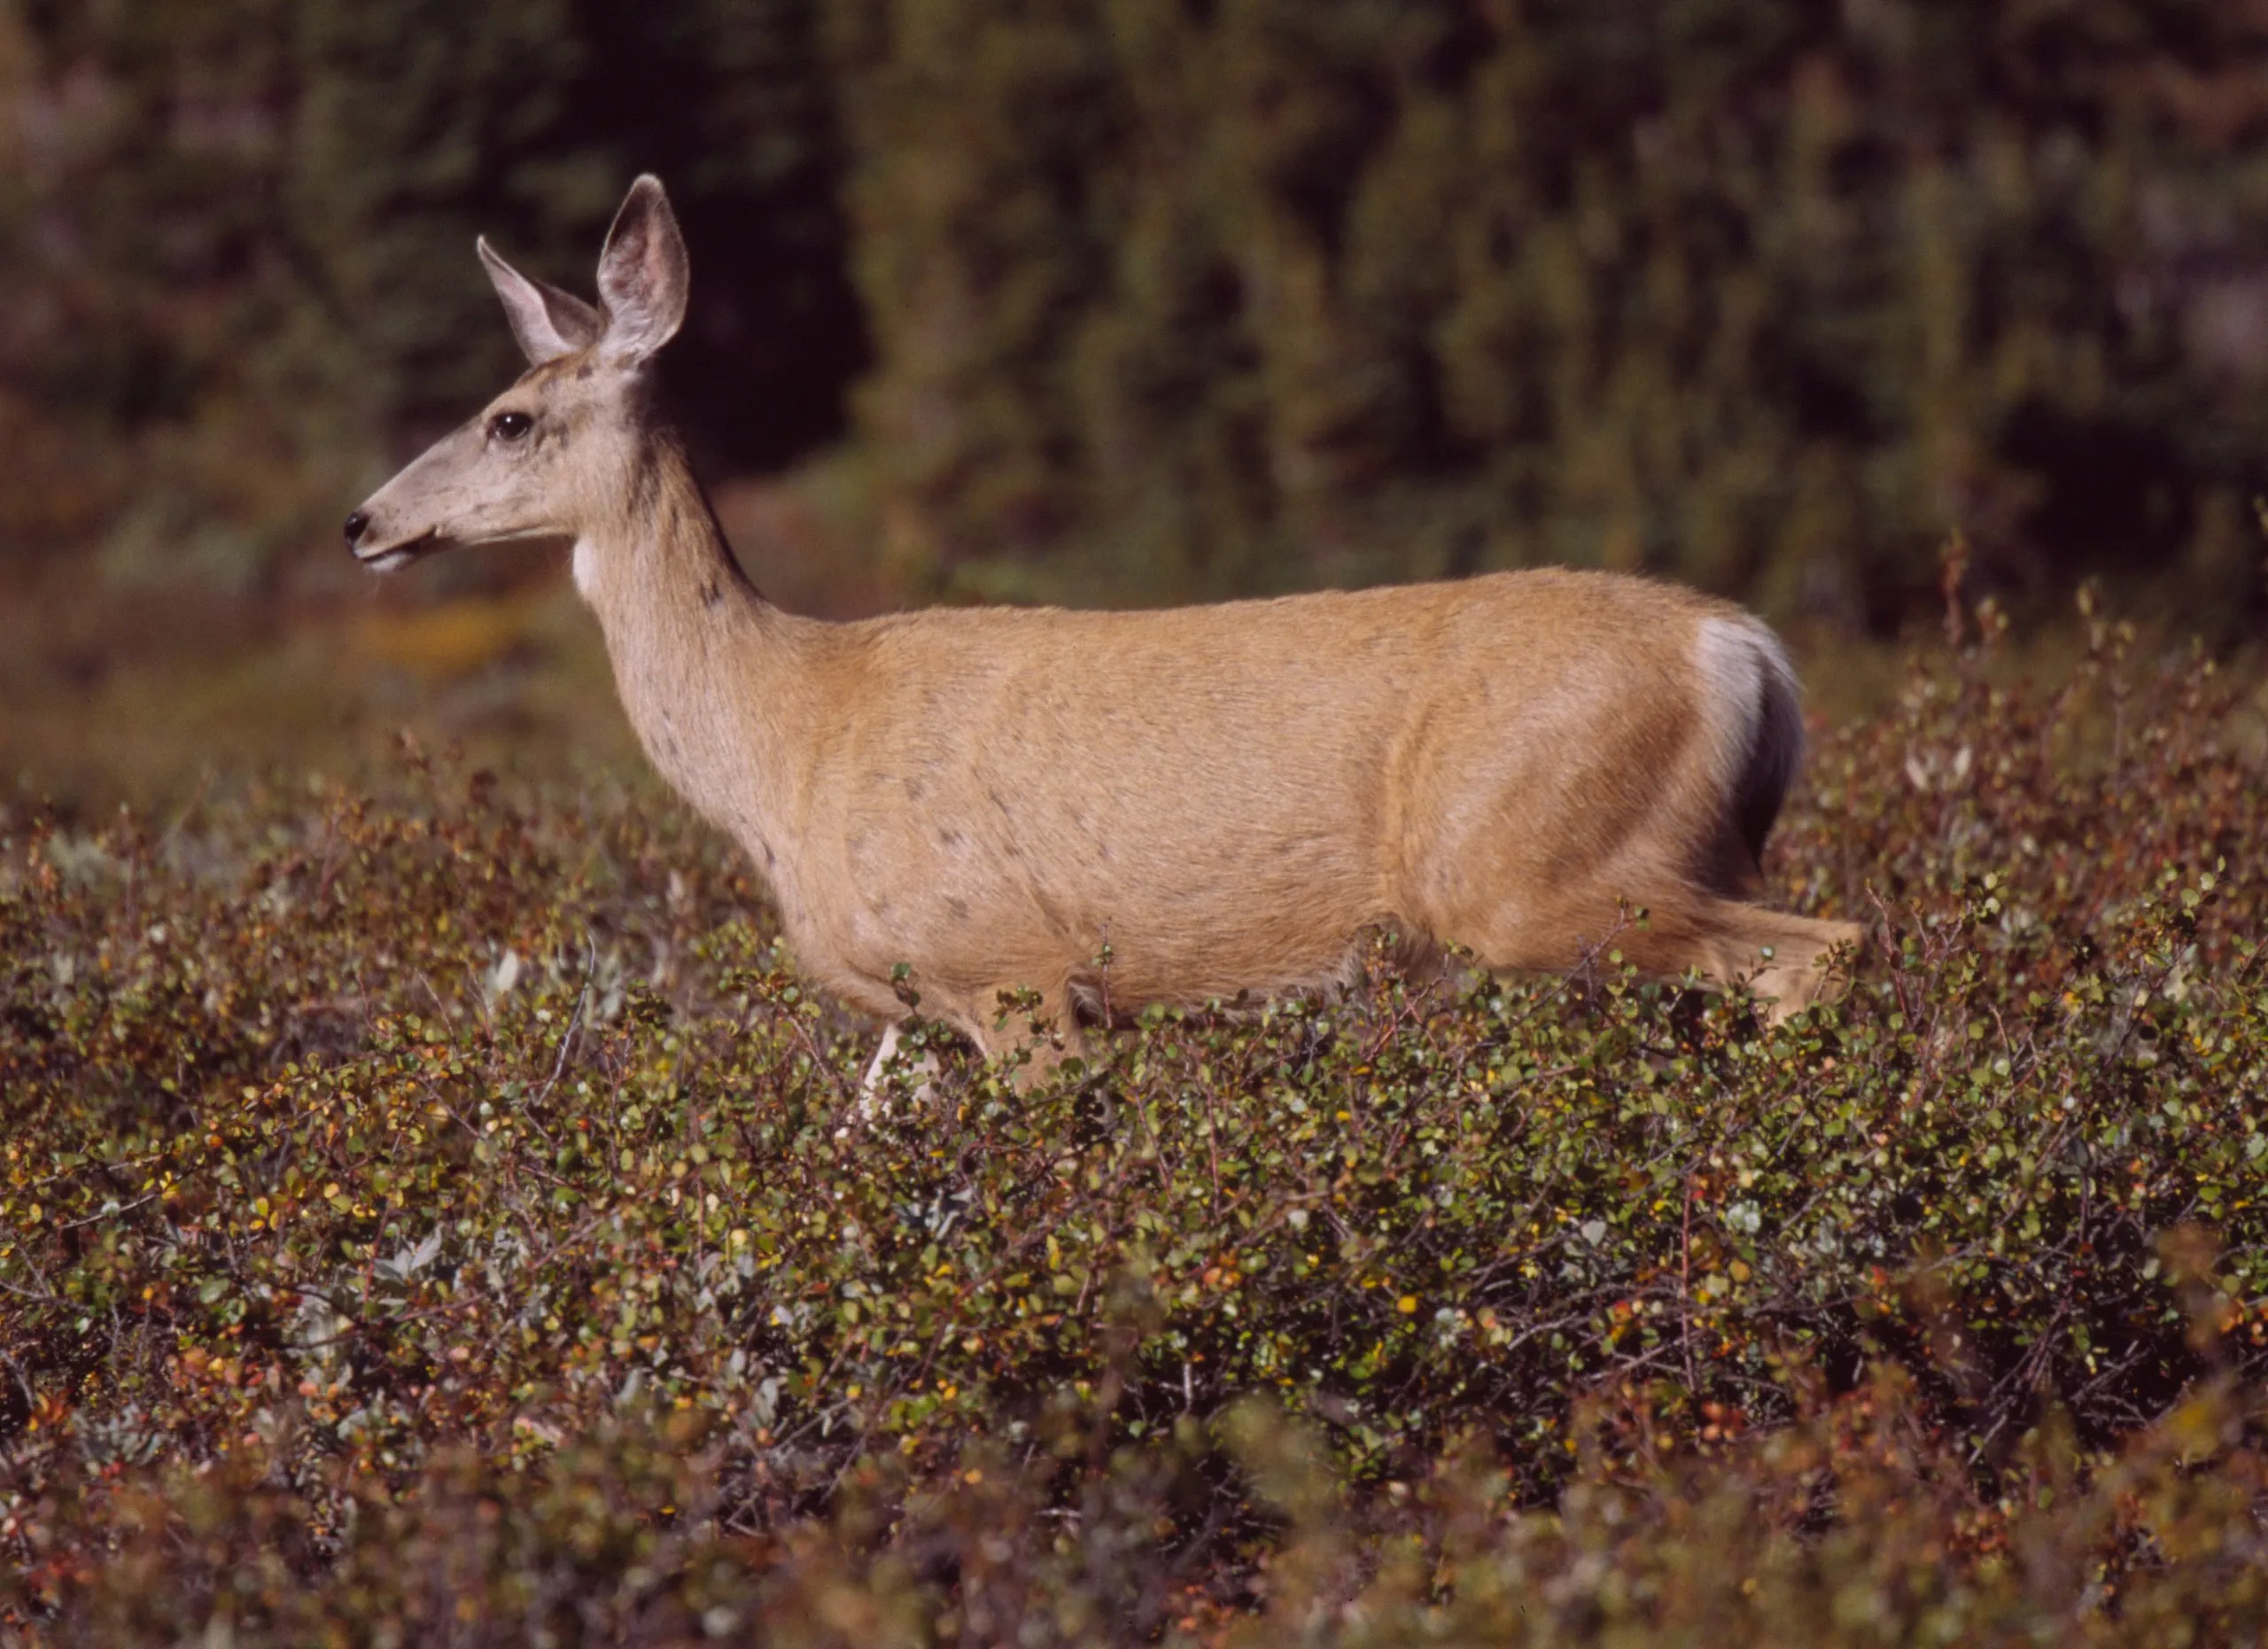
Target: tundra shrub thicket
{"points": [[447, 1218]]}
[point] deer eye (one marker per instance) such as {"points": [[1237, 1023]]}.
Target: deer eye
{"points": [[509, 426]]}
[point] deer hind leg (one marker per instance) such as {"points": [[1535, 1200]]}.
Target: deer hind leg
{"points": [[1809, 959], [1787, 960], [1827, 950]]}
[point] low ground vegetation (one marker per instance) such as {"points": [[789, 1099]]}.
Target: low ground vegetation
{"points": [[443, 1218]]}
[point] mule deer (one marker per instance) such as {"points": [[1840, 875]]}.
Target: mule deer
{"points": [[1227, 796]]}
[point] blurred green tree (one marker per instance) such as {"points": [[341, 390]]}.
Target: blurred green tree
{"points": [[1147, 299], [1765, 295], [245, 229]]}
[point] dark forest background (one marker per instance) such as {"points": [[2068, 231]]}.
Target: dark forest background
{"points": [[1146, 299]]}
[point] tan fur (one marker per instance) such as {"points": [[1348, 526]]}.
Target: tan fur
{"points": [[1226, 797]]}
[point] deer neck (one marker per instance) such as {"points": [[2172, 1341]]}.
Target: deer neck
{"points": [[713, 677]]}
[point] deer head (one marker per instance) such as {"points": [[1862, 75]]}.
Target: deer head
{"points": [[547, 457]]}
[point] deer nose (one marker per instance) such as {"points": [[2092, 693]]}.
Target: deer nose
{"points": [[356, 525]]}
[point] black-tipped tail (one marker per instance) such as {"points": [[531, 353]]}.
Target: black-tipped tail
{"points": [[1775, 745]]}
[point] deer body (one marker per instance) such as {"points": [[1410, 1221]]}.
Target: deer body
{"points": [[1226, 797]]}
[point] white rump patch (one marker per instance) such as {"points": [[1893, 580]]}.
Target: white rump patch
{"points": [[1748, 700]]}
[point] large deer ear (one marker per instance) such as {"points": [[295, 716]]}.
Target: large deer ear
{"points": [[548, 322], [642, 275]]}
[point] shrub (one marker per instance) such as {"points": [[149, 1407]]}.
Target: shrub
{"points": [[450, 1216]]}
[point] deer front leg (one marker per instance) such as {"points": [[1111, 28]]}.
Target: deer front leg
{"points": [[876, 1087], [1029, 1041]]}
